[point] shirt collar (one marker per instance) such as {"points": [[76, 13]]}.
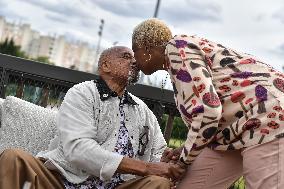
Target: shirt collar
{"points": [[106, 93]]}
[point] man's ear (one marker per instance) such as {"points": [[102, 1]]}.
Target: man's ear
{"points": [[105, 67]]}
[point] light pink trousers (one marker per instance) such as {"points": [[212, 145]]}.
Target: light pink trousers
{"points": [[262, 167]]}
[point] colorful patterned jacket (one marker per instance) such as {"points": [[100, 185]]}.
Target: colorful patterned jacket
{"points": [[229, 100]]}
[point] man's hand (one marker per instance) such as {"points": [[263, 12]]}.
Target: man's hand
{"points": [[171, 155], [172, 171], [169, 170]]}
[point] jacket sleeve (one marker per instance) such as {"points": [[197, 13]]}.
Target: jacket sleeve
{"points": [[198, 102], [76, 127], [159, 144]]}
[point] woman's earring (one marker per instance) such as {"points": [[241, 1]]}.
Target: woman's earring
{"points": [[149, 58]]}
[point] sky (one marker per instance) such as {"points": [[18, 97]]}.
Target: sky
{"points": [[252, 26]]}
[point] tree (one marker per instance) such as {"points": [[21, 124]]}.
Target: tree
{"points": [[179, 128], [43, 59], [9, 47], [73, 67]]}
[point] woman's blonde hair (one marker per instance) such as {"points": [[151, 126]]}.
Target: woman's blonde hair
{"points": [[151, 33]]}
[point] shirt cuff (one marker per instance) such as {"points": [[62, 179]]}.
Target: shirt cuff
{"points": [[110, 166]]}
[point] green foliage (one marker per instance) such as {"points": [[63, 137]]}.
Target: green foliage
{"points": [[175, 143], [34, 94], [9, 47], [179, 132], [179, 128], [43, 59], [239, 184], [11, 89]]}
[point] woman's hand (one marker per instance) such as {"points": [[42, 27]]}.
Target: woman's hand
{"points": [[172, 171], [171, 155]]}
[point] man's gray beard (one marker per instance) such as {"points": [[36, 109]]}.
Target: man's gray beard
{"points": [[133, 77]]}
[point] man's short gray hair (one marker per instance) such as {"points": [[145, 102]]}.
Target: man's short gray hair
{"points": [[108, 53]]}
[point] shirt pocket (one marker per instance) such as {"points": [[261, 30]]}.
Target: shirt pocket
{"points": [[144, 140]]}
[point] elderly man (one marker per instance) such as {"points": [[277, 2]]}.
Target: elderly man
{"points": [[107, 138]]}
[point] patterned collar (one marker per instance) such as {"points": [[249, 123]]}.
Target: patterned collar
{"points": [[106, 93]]}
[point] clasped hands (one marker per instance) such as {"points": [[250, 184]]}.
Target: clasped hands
{"points": [[169, 167]]}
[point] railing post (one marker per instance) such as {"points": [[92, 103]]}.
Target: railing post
{"points": [[2, 83], [169, 127], [20, 89], [44, 97], [158, 110]]}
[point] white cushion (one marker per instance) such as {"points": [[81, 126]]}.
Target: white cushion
{"points": [[1, 105], [26, 126]]}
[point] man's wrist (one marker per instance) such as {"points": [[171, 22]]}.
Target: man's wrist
{"points": [[144, 168], [133, 166]]}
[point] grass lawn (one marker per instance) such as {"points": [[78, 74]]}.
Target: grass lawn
{"points": [[240, 184], [175, 143]]}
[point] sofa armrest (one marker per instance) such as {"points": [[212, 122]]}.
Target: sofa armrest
{"points": [[1, 109], [26, 126]]}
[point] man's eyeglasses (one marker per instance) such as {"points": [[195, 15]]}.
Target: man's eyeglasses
{"points": [[126, 56]]}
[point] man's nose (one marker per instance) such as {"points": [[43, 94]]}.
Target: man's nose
{"points": [[134, 64]]}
